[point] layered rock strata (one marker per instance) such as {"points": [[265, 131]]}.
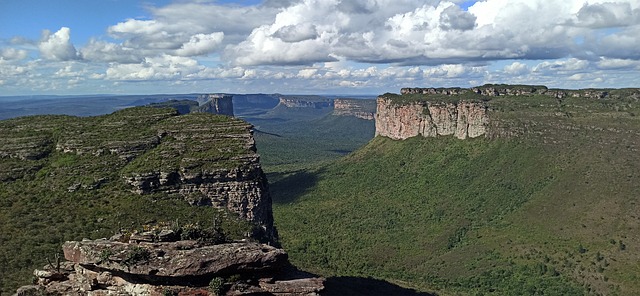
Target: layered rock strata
{"points": [[315, 102], [111, 267], [493, 90], [363, 109], [463, 119], [215, 104]]}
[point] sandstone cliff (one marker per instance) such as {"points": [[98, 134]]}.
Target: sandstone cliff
{"points": [[463, 119], [215, 104], [500, 111], [314, 102], [203, 158], [364, 109], [493, 90]]}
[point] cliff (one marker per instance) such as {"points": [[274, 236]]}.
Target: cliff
{"points": [[215, 104], [65, 177], [497, 111], [463, 119], [364, 109], [313, 102], [208, 161], [494, 90]]}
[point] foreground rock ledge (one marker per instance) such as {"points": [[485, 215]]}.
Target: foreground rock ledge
{"points": [[104, 267]]}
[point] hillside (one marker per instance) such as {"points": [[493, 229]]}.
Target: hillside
{"points": [[544, 202], [66, 178]]}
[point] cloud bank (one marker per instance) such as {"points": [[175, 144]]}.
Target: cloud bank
{"points": [[335, 45]]}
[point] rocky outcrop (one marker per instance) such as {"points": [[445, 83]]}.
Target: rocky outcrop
{"points": [[184, 267], [493, 90], [315, 102], [215, 104], [218, 165], [360, 108], [463, 119]]}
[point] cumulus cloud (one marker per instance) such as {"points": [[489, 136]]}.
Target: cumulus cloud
{"points": [[201, 44], [608, 14], [454, 18], [157, 68], [11, 54], [357, 43], [559, 66], [101, 51], [605, 63], [57, 46], [516, 68], [296, 33]]}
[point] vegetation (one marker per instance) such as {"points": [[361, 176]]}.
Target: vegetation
{"points": [[537, 212], [62, 180]]}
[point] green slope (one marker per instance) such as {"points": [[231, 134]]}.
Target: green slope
{"points": [[496, 217]]}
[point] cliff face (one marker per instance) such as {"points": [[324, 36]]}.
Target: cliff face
{"points": [[364, 109], [494, 90], [203, 158], [215, 104], [461, 119], [315, 102], [208, 161]]}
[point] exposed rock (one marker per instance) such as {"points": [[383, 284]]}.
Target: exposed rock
{"points": [[492, 90], [364, 109], [315, 102], [156, 262], [215, 104], [401, 121], [104, 267]]}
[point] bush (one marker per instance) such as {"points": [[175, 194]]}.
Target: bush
{"points": [[216, 286]]}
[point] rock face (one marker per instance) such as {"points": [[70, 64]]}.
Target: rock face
{"points": [[364, 109], [493, 90], [315, 102], [109, 267], [215, 104], [401, 121], [218, 166]]}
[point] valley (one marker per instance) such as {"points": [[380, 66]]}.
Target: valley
{"points": [[493, 190]]}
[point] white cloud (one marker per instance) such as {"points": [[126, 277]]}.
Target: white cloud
{"points": [[562, 65], [57, 46], [307, 73], [10, 54], [516, 68], [201, 44], [100, 51], [608, 14], [296, 33], [605, 63], [157, 68]]}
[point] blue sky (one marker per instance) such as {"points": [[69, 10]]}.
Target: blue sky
{"points": [[313, 46]]}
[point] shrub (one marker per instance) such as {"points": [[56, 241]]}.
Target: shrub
{"points": [[216, 286]]}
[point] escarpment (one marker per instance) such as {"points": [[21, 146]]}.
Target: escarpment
{"points": [[208, 161], [498, 111], [314, 102], [363, 109], [461, 119], [215, 104], [205, 159]]}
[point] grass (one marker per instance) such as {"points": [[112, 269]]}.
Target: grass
{"points": [[72, 186], [526, 215]]}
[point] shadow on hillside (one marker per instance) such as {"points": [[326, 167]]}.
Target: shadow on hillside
{"points": [[346, 285], [287, 187]]}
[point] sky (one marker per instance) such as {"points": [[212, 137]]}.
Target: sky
{"points": [[69, 47]]}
